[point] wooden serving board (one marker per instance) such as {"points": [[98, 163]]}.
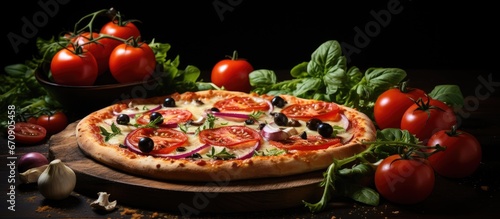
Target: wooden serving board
{"points": [[186, 197]]}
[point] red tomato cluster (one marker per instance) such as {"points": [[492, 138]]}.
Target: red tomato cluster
{"points": [[116, 49], [411, 180], [413, 110]]}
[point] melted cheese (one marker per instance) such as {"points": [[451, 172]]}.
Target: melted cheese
{"points": [[198, 110]]}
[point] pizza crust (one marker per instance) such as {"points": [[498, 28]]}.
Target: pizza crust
{"points": [[90, 142]]}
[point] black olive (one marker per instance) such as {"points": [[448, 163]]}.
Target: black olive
{"points": [[169, 102], [293, 123], [214, 109], [261, 126], [313, 123], [325, 130], [180, 149], [154, 116], [195, 155], [199, 102], [280, 119], [123, 119], [146, 144], [249, 121], [278, 102], [303, 135]]}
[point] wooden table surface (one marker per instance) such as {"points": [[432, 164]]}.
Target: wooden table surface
{"points": [[476, 196]]}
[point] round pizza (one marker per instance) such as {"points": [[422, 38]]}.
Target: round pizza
{"points": [[219, 135]]}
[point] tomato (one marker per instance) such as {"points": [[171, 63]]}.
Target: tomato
{"points": [[97, 48], [170, 116], [27, 133], [461, 157], [404, 181], [316, 142], [165, 140], [423, 119], [229, 135], [53, 123], [132, 63], [232, 74], [241, 104], [320, 110], [392, 104], [74, 66], [123, 30], [31, 120]]}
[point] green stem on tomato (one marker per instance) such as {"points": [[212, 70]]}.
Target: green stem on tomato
{"points": [[89, 25]]}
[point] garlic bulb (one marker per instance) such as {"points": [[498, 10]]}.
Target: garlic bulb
{"points": [[31, 175], [57, 181]]}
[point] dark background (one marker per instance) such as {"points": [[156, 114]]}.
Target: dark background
{"points": [[279, 35]]}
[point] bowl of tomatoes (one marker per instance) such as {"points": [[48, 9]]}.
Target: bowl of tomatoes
{"points": [[82, 100]]}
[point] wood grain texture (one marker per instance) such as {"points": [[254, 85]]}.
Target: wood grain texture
{"points": [[193, 197]]}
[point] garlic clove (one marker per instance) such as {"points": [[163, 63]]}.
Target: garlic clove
{"points": [[57, 181], [102, 202], [31, 175]]}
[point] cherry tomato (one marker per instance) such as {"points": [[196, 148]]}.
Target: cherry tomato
{"points": [[97, 48], [392, 104], [120, 29], [74, 66], [27, 133], [229, 135], [320, 110], [404, 181], [241, 104], [130, 63], [170, 116], [461, 157], [53, 123], [232, 74], [165, 140], [316, 142], [424, 118]]}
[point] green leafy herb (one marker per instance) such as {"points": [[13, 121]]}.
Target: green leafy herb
{"points": [[108, 135], [449, 94], [270, 152], [255, 115], [327, 77], [173, 79], [221, 155], [151, 124]]}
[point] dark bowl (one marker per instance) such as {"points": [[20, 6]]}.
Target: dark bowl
{"points": [[82, 100]]}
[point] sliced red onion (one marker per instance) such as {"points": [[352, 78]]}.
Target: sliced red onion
{"points": [[271, 107], [345, 122], [250, 152], [183, 154], [345, 137], [137, 111], [273, 132], [169, 125]]}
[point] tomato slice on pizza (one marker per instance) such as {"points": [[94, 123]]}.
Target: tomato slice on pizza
{"points": [[315, 142], [320, 110], [165, 140], [241, 104], [170, 116], [229, 136]]}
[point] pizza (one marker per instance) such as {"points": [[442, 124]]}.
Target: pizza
{"points": [[220, 135]]}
